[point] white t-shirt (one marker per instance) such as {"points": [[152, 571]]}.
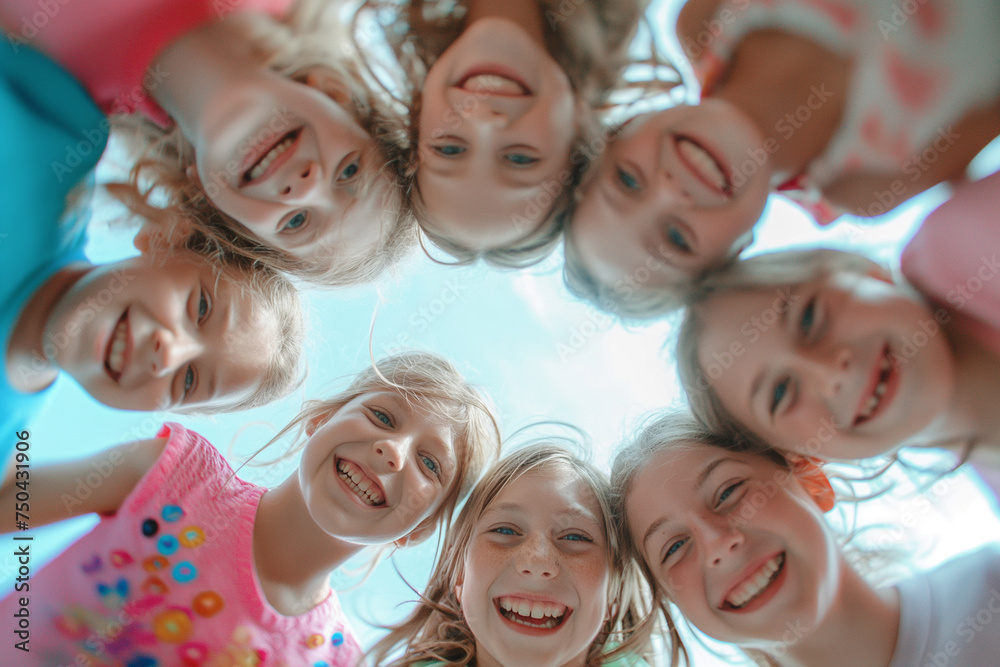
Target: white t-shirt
{"points": [[950, 616]]}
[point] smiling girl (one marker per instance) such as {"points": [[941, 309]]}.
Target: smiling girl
{"points": [[735, 540], [501, 115], [272, 153], [191, 565], [835, 101], [530, 575], [820, 352]]}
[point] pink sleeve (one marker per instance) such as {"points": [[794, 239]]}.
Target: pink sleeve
{"points": [[109, 44], [954, 259]]}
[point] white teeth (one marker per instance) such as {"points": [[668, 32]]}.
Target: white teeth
{"points": [[752, 588], [272, 154], [880, 388], [116, 358], [358, 483], [518, 610], [703, 162], [493, 83]]}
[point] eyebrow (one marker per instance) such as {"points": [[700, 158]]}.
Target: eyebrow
{"points": [[699, 482], [518, 508]]}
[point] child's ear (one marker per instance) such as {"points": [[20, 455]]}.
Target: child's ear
{"points": [[330, 85], [313, 424], [812, 478]]}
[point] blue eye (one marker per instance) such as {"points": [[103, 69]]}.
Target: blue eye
{"points": [[349, 171], [520, 159], [202, 308], [627, 179], [673, 549], [808, 317], [449, 150], [504, 530], [676, 238], [382, 417], [295, 222], [431, 464], [577, 537], [780, 390], [188, 380], [729, 491]]}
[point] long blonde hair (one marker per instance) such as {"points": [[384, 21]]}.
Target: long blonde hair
{"points": [[437, 629]]}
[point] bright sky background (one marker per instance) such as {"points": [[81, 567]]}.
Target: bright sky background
{"points": [[542, 356]]}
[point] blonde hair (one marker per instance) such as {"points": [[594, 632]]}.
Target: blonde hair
{"points": [[435, 386], [295, 52], [437, 629], [590, 42], [771, 270]]}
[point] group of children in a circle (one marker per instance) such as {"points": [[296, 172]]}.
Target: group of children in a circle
{"points": [[281, 142]]}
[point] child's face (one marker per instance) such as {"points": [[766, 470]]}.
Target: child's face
{"points": [[734, 541], [287, 161], [159, 332], [534, 588], [376, 468], [671, 194], [496, 127], [845, 366]]}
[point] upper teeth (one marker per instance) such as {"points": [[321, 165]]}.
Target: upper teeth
{"points": [[116, 358], [752, 588], [492, 83], [517, 609], [880, 387], [272, 154], [359, 483], [703, 162]]}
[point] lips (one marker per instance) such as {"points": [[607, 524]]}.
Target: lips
{"points": [[880, 389], [532, 615], [493, 80], [116, 352], [756, 588], [267, 158], [704, 166], [366, 488]]}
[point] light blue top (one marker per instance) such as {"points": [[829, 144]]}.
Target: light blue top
{"points": [[52, 136]]}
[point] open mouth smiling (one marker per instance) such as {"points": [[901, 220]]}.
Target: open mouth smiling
{"points": [[364, 487], [532, 614], [879, 390], [116, 351], [755, 586], [493, 80], [270, 157], [704, 166]]}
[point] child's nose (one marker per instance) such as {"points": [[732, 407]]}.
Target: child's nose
{"points": [[300, 182], [721, 539], [390, 453], [537, 557], [170, 350], [829, 367]]}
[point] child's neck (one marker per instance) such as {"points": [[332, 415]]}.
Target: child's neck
{"points": [[860, 628], [293, 558], [972, 411], [29, 370], [795, 92], [526, 13]]}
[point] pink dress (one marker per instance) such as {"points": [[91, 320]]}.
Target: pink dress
{"points": [[169, 580], [918, 67], [109, 45]]}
